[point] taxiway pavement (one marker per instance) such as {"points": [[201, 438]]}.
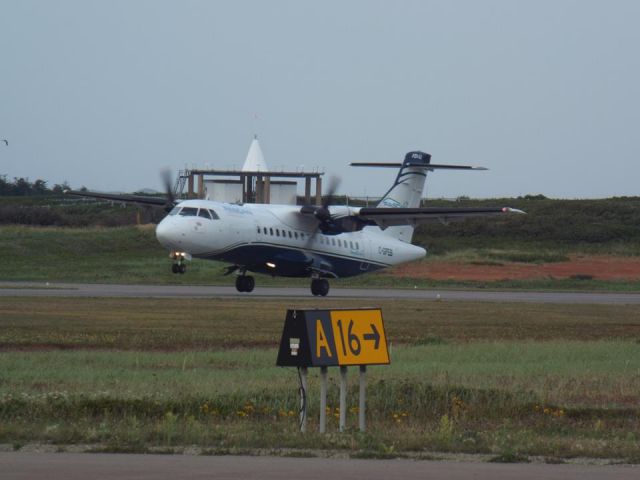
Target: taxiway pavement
{"points": [[81, 466], [32, 289]]}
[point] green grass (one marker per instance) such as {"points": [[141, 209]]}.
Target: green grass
{"points": [[173, 324], [574, 374], [504, 380], [132, 255], [481, 401]]}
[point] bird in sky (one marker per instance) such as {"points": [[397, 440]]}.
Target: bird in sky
{"points": [[6, 142]]}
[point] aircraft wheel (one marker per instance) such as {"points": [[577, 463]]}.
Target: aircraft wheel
{"points": [[319, 287], [175, 268], [323, 289], [245, 283], [182, 269]]}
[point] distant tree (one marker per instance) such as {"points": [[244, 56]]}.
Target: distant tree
{"points": [[59, 189], [39, 187], [5, 187], [22, 186], [534, 197]]}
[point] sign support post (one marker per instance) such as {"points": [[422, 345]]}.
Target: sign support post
{"points": [[323, 399], [362, 402], [304, 407], [343, 398]]}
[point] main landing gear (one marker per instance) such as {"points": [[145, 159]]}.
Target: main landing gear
{"points": [[320, 287], [245, 283]]}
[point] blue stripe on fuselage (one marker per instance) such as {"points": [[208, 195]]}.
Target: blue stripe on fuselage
{"points": [[254, 257]]}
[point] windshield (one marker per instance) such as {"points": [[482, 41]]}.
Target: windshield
{"points": [[204, 213], [189, 212]]}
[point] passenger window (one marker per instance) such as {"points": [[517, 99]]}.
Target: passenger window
{"points": [[339, 243], [333, 242], [295, 234], [189, 212], [204, 213], [357, 246], [271, 231], [351, 244], [259, 230], [277, 232], [175, 210], [290, 236], [214, 215]]}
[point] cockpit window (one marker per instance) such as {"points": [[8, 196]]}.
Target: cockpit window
{"points": [[204, 213], [175, 210], [189, 212], [214, 215]]}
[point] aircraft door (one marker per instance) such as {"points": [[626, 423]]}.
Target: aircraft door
{"points": [[366, 249]]}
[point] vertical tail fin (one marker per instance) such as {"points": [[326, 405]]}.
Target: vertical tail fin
{"points": [[406, 191]]}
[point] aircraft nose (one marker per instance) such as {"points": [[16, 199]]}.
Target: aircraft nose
{"points": [[166, 235]]}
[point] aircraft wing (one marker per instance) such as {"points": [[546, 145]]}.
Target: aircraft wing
{"points": [[126, 198], [388, 217]]}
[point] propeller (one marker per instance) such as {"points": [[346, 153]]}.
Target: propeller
{"points": [[167, 181], [322, 213]]}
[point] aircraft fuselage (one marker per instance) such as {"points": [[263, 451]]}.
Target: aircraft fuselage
{"points": [[277, 240]]}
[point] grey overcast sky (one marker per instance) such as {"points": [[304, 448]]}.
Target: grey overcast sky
{"points": [[545, 93]]}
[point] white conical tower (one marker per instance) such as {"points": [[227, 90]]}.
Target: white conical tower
{"points": [[255, 160]]}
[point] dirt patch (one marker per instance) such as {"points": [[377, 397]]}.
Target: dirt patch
{"points": [[597, 267]]}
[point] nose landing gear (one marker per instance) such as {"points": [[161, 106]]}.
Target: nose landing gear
{"points": [[179, 258], [245, 283], [178, 268], [320, 287]]}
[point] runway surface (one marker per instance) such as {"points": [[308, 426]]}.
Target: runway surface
{"points": [[81, 466], [29, 289]]}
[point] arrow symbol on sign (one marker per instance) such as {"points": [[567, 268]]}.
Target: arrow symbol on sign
{"points": [[374, 335]]}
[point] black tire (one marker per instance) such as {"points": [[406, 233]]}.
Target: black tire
{"points": [[319, 287], [183, 269], [323, 287], [240, 284], [175, 268], [249, 284]]}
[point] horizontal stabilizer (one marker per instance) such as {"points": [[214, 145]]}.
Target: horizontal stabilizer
{"points": [[429, 166]]}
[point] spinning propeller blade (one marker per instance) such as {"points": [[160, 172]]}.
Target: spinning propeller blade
{"points": [[322, 213]]}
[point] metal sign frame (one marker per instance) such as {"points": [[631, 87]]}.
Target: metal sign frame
{"points": [[333, 337]]}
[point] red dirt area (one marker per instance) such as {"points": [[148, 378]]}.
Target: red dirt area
{"points": [[598, 267]]}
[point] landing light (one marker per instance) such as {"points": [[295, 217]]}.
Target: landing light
{"points": [[271, 265]]}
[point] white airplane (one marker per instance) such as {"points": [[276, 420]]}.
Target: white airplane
{"points": [[317, 242]]}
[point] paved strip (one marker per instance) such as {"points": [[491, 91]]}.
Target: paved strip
{"points": [[30, 289], [81, 466]]}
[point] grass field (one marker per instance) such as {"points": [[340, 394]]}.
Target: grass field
{"points": [[132, 255], [507, 380]]}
